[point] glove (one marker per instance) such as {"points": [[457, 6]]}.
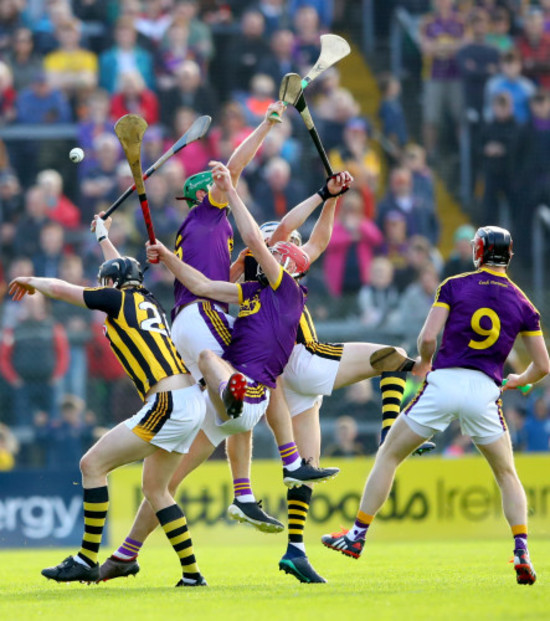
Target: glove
{"points": [[101, 231], [325, 194]]}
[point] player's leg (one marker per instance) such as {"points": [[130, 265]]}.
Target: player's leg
{"points": [[117, 447], [500, 456], [296, 469], [226, 387], [158, 470], [307, 433], [399, 444], [355, 365], [123, 561]]}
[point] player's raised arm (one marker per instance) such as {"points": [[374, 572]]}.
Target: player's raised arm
{"points": [[196, 282], [101, 229], [248, 228], [50, 287]]}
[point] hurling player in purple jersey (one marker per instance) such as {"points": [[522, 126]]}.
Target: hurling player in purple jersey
{"points": [[481, 314]]}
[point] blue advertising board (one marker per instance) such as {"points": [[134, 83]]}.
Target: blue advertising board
{"points": [[41, 508]]}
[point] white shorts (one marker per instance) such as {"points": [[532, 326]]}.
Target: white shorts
{"points": [[217, 430], [170, 420], [199, 326], [307, 377], [466, 394]]}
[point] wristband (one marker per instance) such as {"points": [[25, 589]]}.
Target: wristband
{"points": [[101, 231], [325, 194]]}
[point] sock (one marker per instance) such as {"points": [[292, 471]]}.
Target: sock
{"points": [[520, 536], [392, 387], [298, 499], [360, 526], [128, 550], [174, 525], [96, 503], [290, 456], [221, 388], [243, 490]]}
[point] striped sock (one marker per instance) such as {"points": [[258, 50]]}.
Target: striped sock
{"points": [[243, 490], [128, 550], [174, 525], [96, 503], [392, 387], [360, 526], [290, 456], [520, 536], [298, 499]]}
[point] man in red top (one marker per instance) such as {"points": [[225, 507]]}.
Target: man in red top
{"points": [[534, 47]]}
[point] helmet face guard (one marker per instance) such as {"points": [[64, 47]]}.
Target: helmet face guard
{"points": [[268, 228], [293, 259], [122, 271], [194, 183], [492, 245]]}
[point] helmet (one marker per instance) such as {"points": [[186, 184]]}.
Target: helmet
{"points": [[293, 259], [194, 183], [492, 245], [268, 228], [122, 271]]}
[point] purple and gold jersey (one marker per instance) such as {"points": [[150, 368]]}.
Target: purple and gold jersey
{"points": [[442, 30], [487, 311], [204, 241], [265, 329]]}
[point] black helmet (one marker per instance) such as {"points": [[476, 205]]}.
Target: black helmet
{"points": [[492, 245], [122, 271]]}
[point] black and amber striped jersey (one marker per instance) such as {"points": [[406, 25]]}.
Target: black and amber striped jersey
{"points": [[138, 332], [307, 336]]}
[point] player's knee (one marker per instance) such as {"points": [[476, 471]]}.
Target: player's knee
{"points": [[88, 465], [205, 359]]}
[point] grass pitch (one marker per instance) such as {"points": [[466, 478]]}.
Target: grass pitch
{"points": [[425, 580]]}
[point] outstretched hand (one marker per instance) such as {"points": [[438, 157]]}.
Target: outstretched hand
{"points": [[20, 286], [221, 176], [277, 108]]}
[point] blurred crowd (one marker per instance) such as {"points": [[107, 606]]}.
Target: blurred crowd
{"points": [[70, 69]]}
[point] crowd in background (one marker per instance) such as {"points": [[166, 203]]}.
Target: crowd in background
{"points": [[69, 70]]}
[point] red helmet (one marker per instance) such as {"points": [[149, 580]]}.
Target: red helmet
{"points": [[492, 245], [293, 259]]}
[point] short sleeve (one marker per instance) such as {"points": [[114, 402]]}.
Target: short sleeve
{"points": [[106, 299], [444, 295]]}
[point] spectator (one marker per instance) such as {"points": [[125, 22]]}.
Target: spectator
{"points": [[324, 9], [246, 50], [441, 36], [10, 20], [346, 439], [93, 14], [12, 311], [75, 320], [163, 211], [499, 145], [22, 59], [173, 51], [280, 61], [394, 124], [30, 224], [510, 80], [477, 62], [276, 15], [33, 356], [421, 219], [190, 91], [200, 35], [414, 158], [260, 97], [536, 429], [231, 131], [99, 187], [71, 68], [545, 6], [335, 108], [534, 47], [125, 56], [195, 157], [95, 122], [11, 208], [499, 35], [395, 246], [48, 259], [357, 155], [460, 260], [154, 22], [45, 23], [60, 208], [378, 298], [350, 251], [132, 96], [307, 41], [414, 304], [41, 104]]}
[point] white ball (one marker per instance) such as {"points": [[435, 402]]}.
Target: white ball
{"points": [[76, 155]]}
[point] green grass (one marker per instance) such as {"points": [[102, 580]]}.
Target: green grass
{"points": [[443, 580]]}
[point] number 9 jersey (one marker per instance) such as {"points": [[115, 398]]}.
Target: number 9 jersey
{"points": [[139, 334], [487, 311]]}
